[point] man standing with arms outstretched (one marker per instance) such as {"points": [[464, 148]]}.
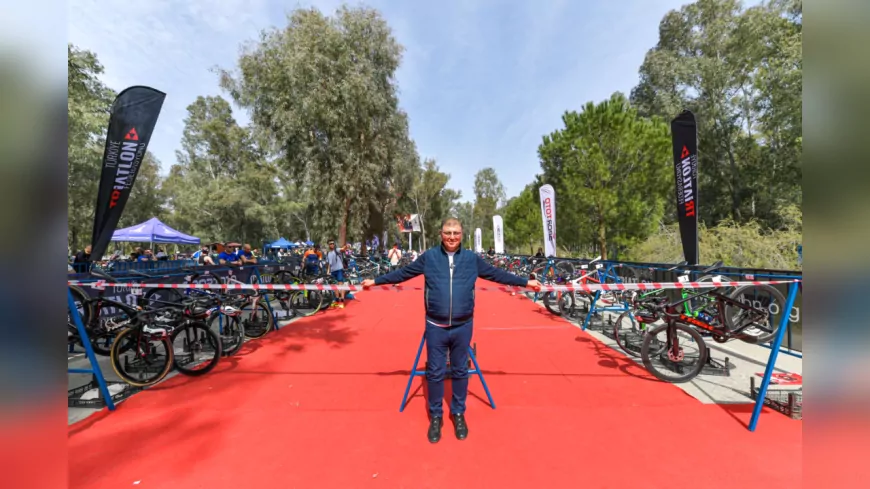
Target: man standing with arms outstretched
{"points": [[451, 273]]}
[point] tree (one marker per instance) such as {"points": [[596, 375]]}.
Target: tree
{"points": [[88, 104], [427, 191], [222, 187], [522, 220], [323, 91], [147, 197], [612, 172], [740, 72], [464, 211], [489, 194]]}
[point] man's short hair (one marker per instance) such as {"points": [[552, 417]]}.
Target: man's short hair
{"points": [[451, 220]]}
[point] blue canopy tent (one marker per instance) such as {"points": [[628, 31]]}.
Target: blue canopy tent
{"points": [[282, 243], [153, 231]]}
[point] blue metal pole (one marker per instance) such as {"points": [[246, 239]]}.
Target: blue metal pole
{"points": [[89, 351], [592, 308], [268, 301], [413, 373], [480, 375], [774, 352]]}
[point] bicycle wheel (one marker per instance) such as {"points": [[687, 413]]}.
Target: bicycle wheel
{"points": [[306, 302], [699, 304], [196, 348], [85, 308], [664, 363], [762, 320], [629, 334], [231, 332], [552, 301], [145, 365], [256, 319]]}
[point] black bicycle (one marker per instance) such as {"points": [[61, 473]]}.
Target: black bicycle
{"points": [[725, 317]]}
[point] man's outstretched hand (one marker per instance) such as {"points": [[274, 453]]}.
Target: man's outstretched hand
{"points": [[534, 285], [367, 283]]}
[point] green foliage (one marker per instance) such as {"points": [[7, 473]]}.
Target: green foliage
{"points": [[522, 220], [747, 245], [610, 170], [740, 72], [88, 102], [322, 90], [222, 187]]}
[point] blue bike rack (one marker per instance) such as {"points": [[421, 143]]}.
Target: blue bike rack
{"points": [[594, 307], [89, 351], [774, 352], [268, 301], [418, 373]]}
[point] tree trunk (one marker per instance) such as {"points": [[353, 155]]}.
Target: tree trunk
{"points": [[602, 239], [423, 231], [342, 231]]}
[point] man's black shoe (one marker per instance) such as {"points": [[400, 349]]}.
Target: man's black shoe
{"points": [[460, 427], [435, 425]]}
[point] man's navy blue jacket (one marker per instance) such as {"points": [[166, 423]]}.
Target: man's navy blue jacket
{"points": [[450, 301]]}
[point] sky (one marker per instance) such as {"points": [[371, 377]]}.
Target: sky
{"points": [[482, 81]]}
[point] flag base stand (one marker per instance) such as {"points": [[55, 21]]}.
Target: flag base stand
{"points": [[473, 369]]}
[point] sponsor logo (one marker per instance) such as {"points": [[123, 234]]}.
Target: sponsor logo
{"points": [[125, 157], [685, 175], [548, 214]]}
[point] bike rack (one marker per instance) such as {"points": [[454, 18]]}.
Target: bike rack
{"points": [[472, 371], [268, 301], [774, 352], [89, 351], [594, 307]]}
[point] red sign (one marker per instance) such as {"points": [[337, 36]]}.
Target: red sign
{"points": [[784, 378]]}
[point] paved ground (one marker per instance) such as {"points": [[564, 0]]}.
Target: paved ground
{"points": [[747, 360], [80, 360]]}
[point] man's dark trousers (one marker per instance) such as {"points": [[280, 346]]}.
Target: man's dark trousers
{"points": [[455, 341]]}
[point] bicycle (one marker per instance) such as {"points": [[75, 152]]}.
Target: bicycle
{"points": [[732, 318]]}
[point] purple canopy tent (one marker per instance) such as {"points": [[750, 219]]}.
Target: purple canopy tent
{"points": [[153, 231]]}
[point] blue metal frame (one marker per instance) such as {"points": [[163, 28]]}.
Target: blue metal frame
{"points": [[774, 352], [89, 351], [594, 308], [416, 373]]}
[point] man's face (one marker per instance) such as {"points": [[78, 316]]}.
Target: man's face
{"points": [[331, 245], [247, 248], [88, 249], [451, 236]]}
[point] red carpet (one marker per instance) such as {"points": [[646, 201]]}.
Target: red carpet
{"points": [[316, 406]]}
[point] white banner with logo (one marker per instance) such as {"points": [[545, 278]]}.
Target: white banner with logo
{"points": [[498, 230], [548, 214], [478, 241]]}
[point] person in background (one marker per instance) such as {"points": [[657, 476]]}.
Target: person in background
{"points": [[203, 258], [394, 256], [335, 267], [311, 261], [146, 256], [81, 260], [490, 251], [228, 257], [161, 255], [246, 256]]}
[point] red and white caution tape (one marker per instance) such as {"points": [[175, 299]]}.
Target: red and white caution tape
{"points": [[100, 284]]}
